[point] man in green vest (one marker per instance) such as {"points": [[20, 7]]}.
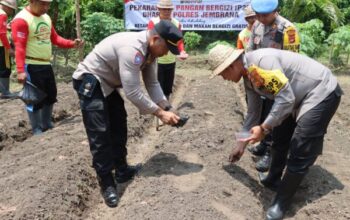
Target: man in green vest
{"points": [[33, 34]]}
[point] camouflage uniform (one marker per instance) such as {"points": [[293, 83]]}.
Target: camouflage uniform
{"points": [[282, 34]]}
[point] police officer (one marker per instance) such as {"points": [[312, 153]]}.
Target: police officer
{"points": [[244, 35], [271, 30], [299, 116], [114, 63], [7, 7], [33, 34]]}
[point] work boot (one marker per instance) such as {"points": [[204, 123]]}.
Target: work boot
{"points": [[285, 193], [278, 162], [46, 113], [264, 163], [35, 121], [126, 172], [108, 190], [5, 88], [259, 149]]}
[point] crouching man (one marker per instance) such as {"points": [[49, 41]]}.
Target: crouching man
{"points": [[306, 95], [116, 62]]}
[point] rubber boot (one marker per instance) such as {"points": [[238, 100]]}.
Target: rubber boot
{"points": [[259, 149], [35, 122], [263, 164], [108, 190], [273, 178], [285, 193], [5, 88], [125, 172], [46, 113]]}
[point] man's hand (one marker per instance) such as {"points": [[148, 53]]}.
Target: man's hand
{"points": [[183, 55], [21, 77], [12, 52], [257, 134], [78, 43], [237, 152], [167, 117]]}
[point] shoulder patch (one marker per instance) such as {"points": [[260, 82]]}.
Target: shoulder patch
{"points": [[139, 58], [291, 39], [268, 81]]}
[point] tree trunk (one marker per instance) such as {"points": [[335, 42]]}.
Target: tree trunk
{"points": [[77, 10]]}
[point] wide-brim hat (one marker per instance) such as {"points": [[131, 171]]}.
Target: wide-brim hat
{"points": [[167, 4], [170, 33], [9, 3], [249, 12], [46, 0], [221, 56]]}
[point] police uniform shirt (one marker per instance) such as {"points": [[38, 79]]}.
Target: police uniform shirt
{"points": [[295, 82], [282, 34], [117, 61]]}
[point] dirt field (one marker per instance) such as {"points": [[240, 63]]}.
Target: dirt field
{"points": [[185, 174]]}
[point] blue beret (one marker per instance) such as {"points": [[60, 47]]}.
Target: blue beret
{"points": [[264, 6]]}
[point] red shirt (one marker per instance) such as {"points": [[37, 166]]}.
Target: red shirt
{"points": [[3, 31], [20, 33]]}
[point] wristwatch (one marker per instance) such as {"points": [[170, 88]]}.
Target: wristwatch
{"points": [[266, 131]]}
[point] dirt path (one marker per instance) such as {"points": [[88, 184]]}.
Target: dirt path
{"points": [[185, 173]]}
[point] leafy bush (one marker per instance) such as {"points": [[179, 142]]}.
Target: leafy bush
{"points": [[339, 42], [221, 42], [312, 36], [192, 40], [99, 25]]}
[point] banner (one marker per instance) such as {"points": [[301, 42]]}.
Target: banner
{"points": [[209, 15]]}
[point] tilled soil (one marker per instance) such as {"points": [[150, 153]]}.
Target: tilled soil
{"points": [[185, 171]]}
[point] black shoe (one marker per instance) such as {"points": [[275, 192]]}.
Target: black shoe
{"points": [[263, 164], [108, 190], [285, 193], [110, 196], [126, 173], [268, 183], [259, 149]]}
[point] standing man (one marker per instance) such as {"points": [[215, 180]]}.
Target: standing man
{"points": [[306, 95], [244, 35], [7, 7], [271, 30], [33, 34], [167, 63], [115, 63]]}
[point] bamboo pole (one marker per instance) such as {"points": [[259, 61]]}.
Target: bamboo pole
{"points": [[77, 11]]}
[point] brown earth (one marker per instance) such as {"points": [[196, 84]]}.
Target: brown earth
{"points": [[185, 174]]}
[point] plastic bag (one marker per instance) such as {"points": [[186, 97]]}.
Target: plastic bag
{"points": [[30, 94]]}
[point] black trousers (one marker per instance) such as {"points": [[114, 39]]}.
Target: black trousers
{"points": [[43, 77], [303, 140], [5, 63], [266, 108], [166, 75], [105, 121]]}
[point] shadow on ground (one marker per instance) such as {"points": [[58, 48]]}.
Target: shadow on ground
{"points": [[317, 183], [168, 164]]}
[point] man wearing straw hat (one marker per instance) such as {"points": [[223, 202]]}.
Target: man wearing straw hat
{"points": [[167, 63], [306, 95], [7, 7], [244, 35], [271, 30]]}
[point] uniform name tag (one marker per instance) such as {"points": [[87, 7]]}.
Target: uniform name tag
{"points": [[268, 81]]}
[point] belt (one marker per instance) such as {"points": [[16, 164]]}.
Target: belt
{"points": [[37, 59]]}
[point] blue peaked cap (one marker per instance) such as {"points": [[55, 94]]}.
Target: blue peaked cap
{"points": [[264, 6]]}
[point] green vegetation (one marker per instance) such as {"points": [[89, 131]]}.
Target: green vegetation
{"points": [[322, 24]]}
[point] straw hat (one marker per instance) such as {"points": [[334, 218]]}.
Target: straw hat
{"points": [[9, 3], [165, 4], [221, 56], [249, 12]]}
